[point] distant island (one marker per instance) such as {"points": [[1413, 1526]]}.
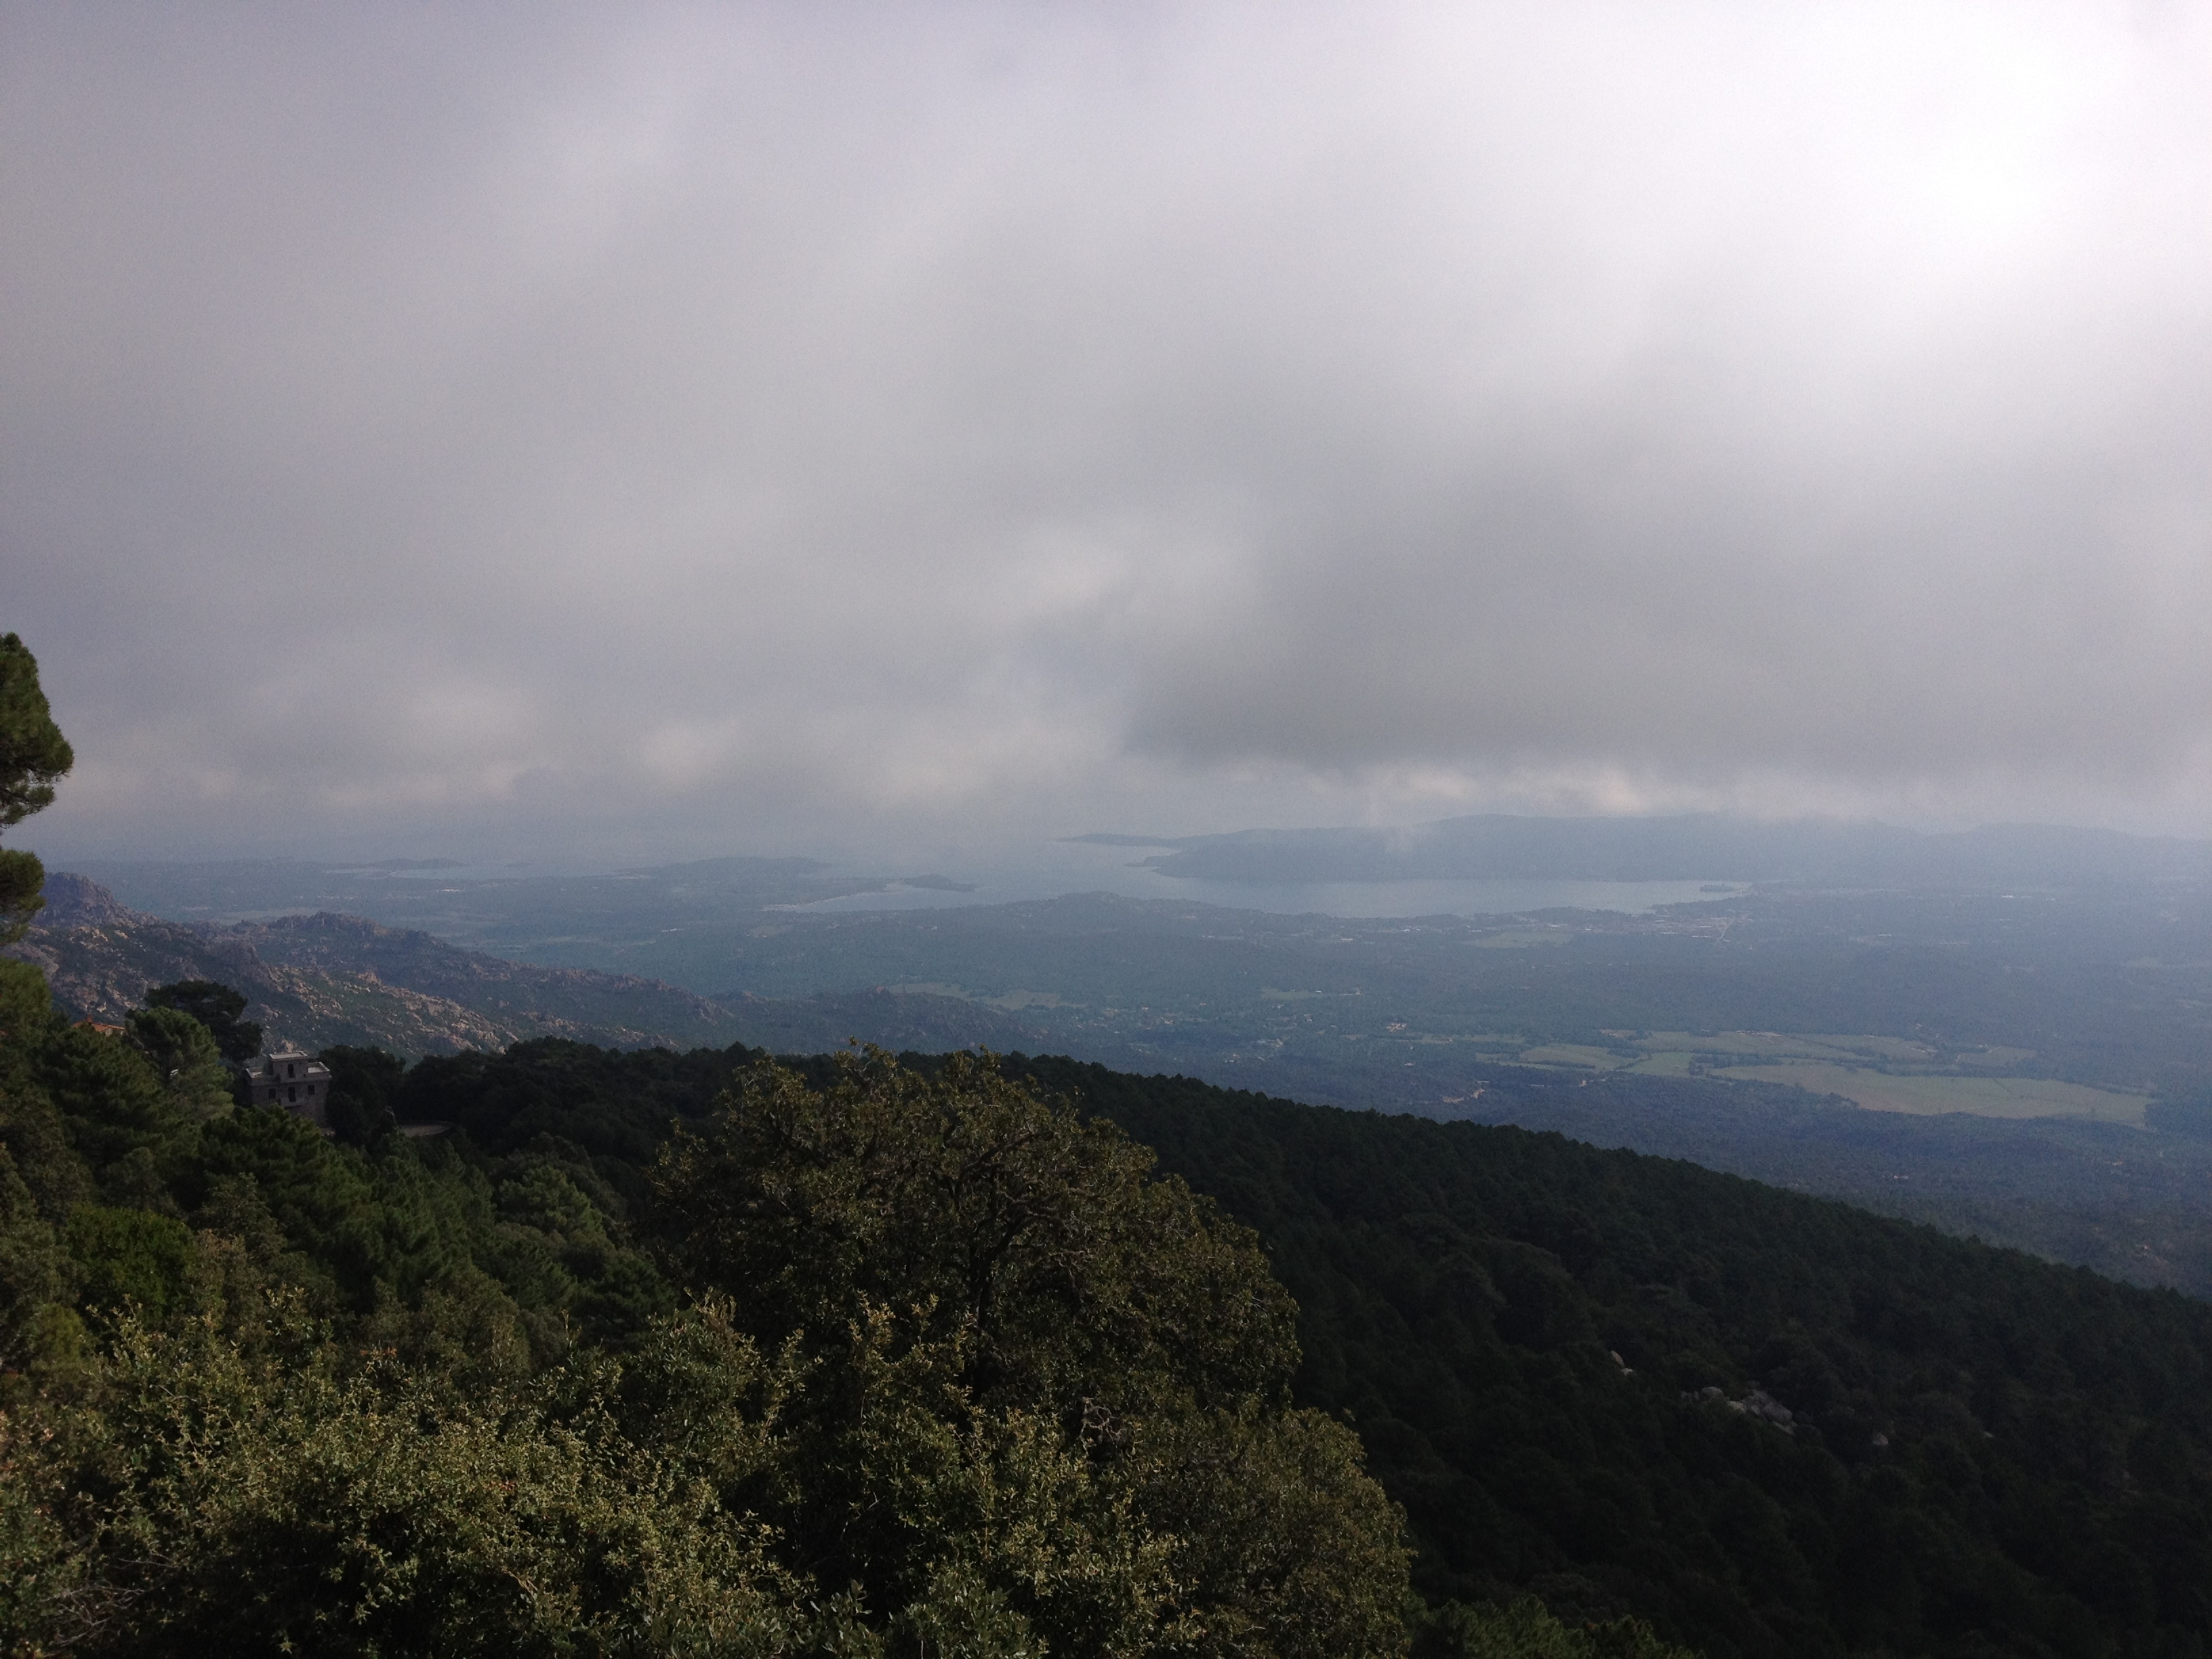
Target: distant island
{"points": [[1691, 848]]}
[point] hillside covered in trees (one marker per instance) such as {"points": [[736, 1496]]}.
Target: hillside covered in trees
{"points": [[1771, 1424], [2132, 1201], [1761, 1423], [895, 1365]]}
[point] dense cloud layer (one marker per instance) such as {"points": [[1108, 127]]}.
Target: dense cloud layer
{"points": [[634, 428]]}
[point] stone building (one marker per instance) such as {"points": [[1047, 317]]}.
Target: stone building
{"points": [[296, 1081]]}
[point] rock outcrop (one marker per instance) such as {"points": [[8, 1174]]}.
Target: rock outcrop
{"points": [[320, 980]]}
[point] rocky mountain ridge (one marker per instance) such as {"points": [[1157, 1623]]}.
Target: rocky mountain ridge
{"points": [[324, 979]]}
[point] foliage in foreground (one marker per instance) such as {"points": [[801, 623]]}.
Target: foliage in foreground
{"points": [[1545, 1347], [34, 756], [1525, 1628], [949, 1373], [2042, 1482]]}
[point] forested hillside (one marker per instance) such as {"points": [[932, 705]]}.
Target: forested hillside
{"points": [[1823, 1431], [2133, 1205], [894, 1365], [1764, 1423]]}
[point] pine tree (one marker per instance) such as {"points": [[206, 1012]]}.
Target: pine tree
{"points": [[34, 757]]}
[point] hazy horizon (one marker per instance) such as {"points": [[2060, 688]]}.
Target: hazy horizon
{"points": [[624, 434], [1122, 863], [546, 848]]}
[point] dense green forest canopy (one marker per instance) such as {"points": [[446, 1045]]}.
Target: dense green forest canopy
{"points": [[892, 1363], [1629, 1387], [1545, 1347]]}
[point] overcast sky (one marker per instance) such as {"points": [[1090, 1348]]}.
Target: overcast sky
{"points": [[631, 430]]}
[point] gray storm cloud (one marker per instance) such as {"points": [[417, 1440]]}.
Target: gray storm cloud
{"points": [[706, 425]]}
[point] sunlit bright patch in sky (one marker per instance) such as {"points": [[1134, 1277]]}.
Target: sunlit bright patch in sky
{"points": [[661, 429]]}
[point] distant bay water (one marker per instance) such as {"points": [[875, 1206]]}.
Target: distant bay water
{"points": [[1061, 868], [516, 908]]}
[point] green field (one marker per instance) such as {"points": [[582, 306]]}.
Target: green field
{"points": [[1573, 1053], [1926, 1093], [1883, 1074]]}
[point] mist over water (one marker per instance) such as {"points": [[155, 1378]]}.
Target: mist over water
{"points": [[1055, 870]]}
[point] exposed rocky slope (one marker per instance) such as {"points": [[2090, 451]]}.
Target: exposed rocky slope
{"points": [[326, 979]]}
